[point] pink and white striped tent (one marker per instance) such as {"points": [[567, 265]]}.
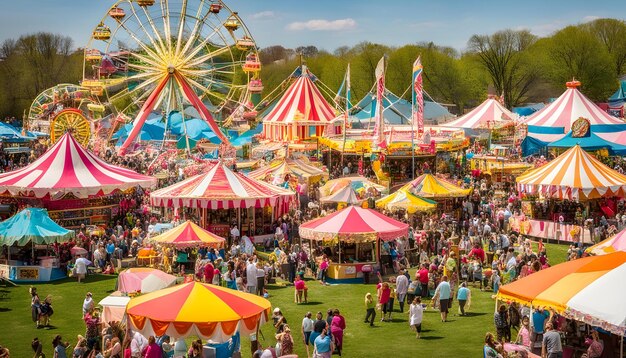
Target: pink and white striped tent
{"points": [[568, 108], [299, 109], [354, 224], [221, 188], [66, 168], [490, 114]]}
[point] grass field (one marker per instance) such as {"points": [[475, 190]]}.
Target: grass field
{"points": [[460, 337]]}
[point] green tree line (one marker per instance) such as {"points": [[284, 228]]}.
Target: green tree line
{"points": [[515, 63]]}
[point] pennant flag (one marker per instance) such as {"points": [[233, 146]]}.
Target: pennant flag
{"points": [[418, 96], [379, 130]]}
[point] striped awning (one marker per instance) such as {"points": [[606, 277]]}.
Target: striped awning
{"points": [[575, 174], [490, 114]]}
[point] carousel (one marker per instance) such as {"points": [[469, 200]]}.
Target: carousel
{"points": [[353, 239]]}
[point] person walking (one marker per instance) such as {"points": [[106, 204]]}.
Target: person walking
{"points": [[60, 348], [383, 299], [337, 326], [402, 287], [422, 277], [370, 309], [551, 346], [323, 345], [442, 295], [307, 329], [464, 296], [416, 313], [501, 321]]}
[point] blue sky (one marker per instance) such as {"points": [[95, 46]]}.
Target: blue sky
{"points": [[329, 24]]}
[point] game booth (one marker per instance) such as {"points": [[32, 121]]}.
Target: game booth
{"points": [[27, 255], [352, 239]]}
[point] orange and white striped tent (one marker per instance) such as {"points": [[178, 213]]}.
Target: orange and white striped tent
{"points": [[576, 175]]}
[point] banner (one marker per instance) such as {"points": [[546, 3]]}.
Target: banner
{"points": [[379, 129], [418, 97]]}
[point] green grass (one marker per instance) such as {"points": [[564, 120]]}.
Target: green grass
{"points": [[460, 337]]}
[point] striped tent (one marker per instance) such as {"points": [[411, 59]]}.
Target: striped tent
{"points": [[301, 112], [612, 244], [490, 114], [189, 235], [345, 195], [575, 174], [568, 108], [221, 188], [404, 200], [301, 168], [429, 186], [586, 289], [68, 168]]}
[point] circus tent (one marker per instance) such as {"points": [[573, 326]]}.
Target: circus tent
{"points": [[300, 113], [189, 235], [301, 168], [221, 188], [404, 200], [345, 195], [490, 114], [570, 106], [68, 168], [575, 174]]}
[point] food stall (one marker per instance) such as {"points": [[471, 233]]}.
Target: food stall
{"points": [[352, 240], [31, 230]]}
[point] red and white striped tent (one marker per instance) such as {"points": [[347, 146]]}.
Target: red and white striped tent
{"points": [[221, 188], [490, 114], [568, 108], [66, 168], [300, 112]]}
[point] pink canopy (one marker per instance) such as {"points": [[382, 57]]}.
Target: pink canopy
{"points": [[144, 279], [68, 168], [490, 114], [568, 108], [221, 188], [354, 224]]}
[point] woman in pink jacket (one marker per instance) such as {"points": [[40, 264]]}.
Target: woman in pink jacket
{"points": [[337, 326]]}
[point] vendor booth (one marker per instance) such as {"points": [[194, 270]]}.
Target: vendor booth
{"points": [[353, 238], [26, 235], [221, 197]]}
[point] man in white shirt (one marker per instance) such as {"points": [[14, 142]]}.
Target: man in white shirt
{"points": [[251, 274], [234, 233], [402, 286]]}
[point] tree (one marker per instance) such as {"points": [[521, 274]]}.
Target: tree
{"points": [[307, 51], [503, 55], [575, 52], [612, 34], [272, 54]]}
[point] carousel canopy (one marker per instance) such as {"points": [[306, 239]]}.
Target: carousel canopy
{"points": [[358, 183], [404, 200], [144, 279], [221, 188], [344, 195], [68, 168], [490, 114], [354, 224], [34, 225], [575, 174], [566, 110], [301, 168], [302, 103], [429, 186], [188, 235], [612, 244], [196, 309], [586, 289]]}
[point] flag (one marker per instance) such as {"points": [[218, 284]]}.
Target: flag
{"points": [[348, 89], [380, 90], [418, 97]]}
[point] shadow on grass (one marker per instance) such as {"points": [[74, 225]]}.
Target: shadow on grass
{"points": [[430, 338], [90, 279], [276, 287], [310, 303], [473, 314], [2, 309]]}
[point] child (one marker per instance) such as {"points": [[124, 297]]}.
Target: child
{"points": [[495, 281], [416, 312], [370, 309]]}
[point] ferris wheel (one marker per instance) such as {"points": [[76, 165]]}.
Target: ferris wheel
{"points": [[194, 57]]}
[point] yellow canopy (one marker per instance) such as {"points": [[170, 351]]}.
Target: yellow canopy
{"points": [[429, 186], [404, 200]]}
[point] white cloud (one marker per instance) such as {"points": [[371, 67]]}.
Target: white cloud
{"points": [[542, 30], [263, 15], [590, 18], [323, 25]]}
